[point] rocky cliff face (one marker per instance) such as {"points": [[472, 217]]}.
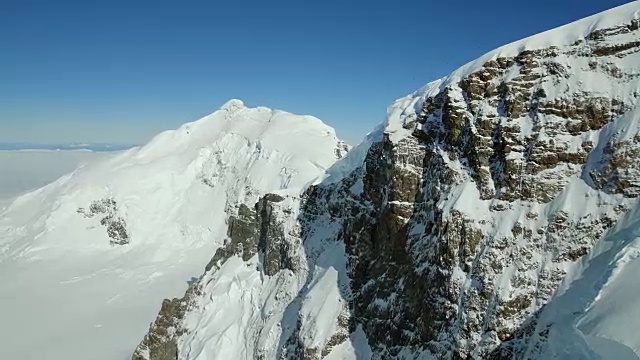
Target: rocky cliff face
{"points": [[445, 233]]}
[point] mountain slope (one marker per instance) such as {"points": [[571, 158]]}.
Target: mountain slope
{"points": [[85, 258], [448, 231]]}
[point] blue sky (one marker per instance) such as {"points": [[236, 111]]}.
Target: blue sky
{"points": [[121, 71]]}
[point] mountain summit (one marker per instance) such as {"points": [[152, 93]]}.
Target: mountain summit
{"points": [[492, 216], [89, 255]]}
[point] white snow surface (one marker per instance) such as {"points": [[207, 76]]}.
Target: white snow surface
{"points": [[22, 171], [68, 294]]}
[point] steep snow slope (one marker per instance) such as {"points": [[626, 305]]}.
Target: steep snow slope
{"points": [[446, 234], [86, 259]]}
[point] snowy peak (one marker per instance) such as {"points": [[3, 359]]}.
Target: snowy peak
{"points": [[125, 232], [275, 129], [234, 154], [233, 105]]}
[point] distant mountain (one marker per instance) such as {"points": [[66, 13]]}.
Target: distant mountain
{"points": [[86, 259], [65, 146], [494, 215]]}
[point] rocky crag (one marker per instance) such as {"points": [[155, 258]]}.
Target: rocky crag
{"points": [[447, 231]]}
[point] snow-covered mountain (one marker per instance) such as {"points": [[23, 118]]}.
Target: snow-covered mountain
{"points": [[494, 215], [85, 260]]}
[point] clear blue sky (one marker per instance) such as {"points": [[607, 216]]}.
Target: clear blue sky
{"points": [[121, 71]]}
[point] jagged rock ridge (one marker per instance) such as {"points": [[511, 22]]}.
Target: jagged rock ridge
{"points": [[447, 232]]}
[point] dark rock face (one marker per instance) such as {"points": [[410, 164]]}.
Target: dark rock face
{"points": [[425, 280], [618, 171], [476, 120], [374, 229], [160, 343], [242, 233], [253, 231], [116, 225], [272, 243]]}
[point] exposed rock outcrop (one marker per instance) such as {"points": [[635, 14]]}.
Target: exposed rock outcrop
{"points": [[115, 224]]}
